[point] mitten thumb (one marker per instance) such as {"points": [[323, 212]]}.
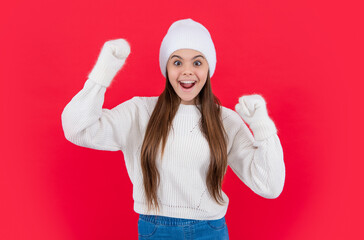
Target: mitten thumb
{"points": [[111, 59]]}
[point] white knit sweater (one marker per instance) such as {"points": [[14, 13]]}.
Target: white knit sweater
{"points": [[182, 192]]}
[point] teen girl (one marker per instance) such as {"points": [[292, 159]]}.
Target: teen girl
{"points": [[177, 146]]}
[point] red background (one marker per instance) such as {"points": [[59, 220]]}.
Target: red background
{"points": [[305, 58]]}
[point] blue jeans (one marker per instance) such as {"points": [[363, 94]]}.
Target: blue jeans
{"points": [[153, 227]]}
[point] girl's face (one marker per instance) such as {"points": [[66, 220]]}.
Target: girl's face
{"points": [[187, 73]]}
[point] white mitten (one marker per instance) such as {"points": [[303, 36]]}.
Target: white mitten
{"points": [[252, 108], [111, 59]]}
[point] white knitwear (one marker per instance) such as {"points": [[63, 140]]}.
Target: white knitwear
{"points": [[187, 33], [254, 112], [111, 59], [182, 192]]}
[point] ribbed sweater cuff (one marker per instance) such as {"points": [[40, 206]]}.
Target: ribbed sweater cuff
{"points": [[263, 129]]}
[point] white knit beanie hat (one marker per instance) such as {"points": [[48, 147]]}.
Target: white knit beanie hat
{"points": [[187, 33]]}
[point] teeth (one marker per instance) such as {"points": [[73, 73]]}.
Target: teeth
{"points": [[187, 81]]}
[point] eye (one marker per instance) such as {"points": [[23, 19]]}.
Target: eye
{"points": [[199, 63], [176, 62]]}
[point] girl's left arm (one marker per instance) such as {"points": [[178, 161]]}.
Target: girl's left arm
{"points": [[257, 160]]}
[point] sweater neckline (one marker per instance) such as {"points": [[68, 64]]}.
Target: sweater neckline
{"points": [[188, 109]]}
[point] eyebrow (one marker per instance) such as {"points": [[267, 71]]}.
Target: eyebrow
{"points": [[192, 58]]}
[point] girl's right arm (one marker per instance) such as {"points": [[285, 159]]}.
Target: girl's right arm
{"points": [[84, 121]]}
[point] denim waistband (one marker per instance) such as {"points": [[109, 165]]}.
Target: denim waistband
{"points": [[169, 221]]}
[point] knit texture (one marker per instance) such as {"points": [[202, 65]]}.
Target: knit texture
{"points": [[187, 33], [182, 192]]}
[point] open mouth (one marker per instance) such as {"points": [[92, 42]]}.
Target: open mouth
{"points": [[187, 85]]}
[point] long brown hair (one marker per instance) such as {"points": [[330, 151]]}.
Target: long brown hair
{"points": [[159, 126]]}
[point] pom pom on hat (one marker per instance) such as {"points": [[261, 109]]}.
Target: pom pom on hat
{"points": [[187, 33]]}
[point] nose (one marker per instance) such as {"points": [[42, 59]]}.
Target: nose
{"points": [[187, 71]]}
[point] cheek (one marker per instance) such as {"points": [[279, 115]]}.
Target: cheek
{"points": [[172, 78], [171, 73], [203, 75]]}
